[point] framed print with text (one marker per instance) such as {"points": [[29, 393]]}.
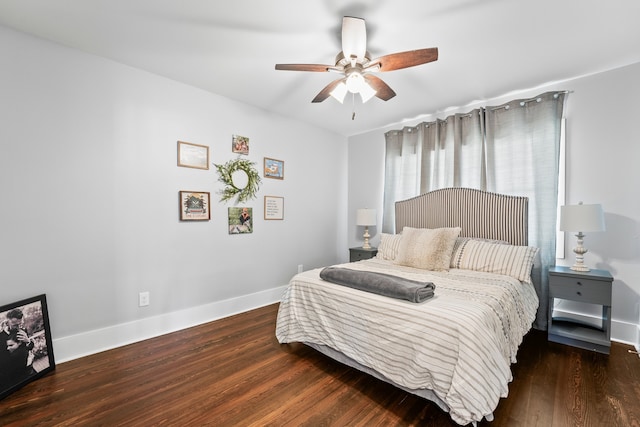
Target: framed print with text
{"points": [[193, 155], [273, 207], [194, 206]]}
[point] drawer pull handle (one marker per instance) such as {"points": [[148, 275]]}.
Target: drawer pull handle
{"points": [[579, 283], [579, 293]]}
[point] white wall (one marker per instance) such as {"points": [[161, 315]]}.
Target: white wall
{"points": [[603, 150], [89, 187]]}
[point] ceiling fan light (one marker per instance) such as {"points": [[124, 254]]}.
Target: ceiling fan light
{"points": [[339, 92], [355, 82], [367, 92]]}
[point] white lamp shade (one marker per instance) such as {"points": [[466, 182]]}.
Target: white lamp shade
{"points": [[366, 217], [581, 218]]}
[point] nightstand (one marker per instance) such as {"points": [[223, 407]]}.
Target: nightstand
{"points": [[358, 254], [592, 287]]}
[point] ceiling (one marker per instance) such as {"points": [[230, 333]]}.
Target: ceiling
{"points": [[487, 48]]}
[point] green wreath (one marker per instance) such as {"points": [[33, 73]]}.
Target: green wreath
{"points": [[230, 190]]}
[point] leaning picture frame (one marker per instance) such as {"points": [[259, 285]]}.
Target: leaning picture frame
{"points": [[26, 350], [273, 168], [193, 155], [195, 206]]}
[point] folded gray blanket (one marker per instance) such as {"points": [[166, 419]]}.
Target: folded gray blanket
{"points": [[379, 283]]}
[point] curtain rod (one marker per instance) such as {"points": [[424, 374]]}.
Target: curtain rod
{"points": [[526, 101]]}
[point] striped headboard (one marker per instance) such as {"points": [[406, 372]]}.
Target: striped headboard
{"points": [[478, 213]]}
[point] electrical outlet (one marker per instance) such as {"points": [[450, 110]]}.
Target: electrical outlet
{"points": [[300, 268], [143, 299]]}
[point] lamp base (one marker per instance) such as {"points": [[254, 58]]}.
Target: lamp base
{"points": [[366, 236], [580, 251], [579, 267]]}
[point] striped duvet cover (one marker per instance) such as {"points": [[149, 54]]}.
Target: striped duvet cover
{"points": [[459, 344]]}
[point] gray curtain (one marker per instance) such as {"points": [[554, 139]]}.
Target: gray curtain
{"points": [[510, 149], [523, 155]]}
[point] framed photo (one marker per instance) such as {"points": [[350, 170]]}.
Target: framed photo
{"points": [[193, 155], [240, 220], [194, 206], [273, 207], [273, 168], [240, 144], [26, 353]]}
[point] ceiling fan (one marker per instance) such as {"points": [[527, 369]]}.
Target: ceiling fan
{"points": [[355, 63]]}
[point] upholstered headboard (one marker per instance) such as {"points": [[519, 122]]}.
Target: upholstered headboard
{"points": [[478, 213]]}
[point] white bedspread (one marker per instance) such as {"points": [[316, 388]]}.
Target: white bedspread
{"points": [[460, 343]]}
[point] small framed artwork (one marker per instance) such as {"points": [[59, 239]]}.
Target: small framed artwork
{"points": [[273, 207], [26, 352], [240, 220], [193, 155], [240, 144], [273, 168], [194, 206]]}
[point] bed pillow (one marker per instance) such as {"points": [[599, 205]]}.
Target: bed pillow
{"points": [[510, 260], [460, 244], [426, 248], [388, 248]]}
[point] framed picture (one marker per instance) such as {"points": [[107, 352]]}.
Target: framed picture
{"points": [[194, 206], [240, 220], [26, 353], [193, 155], [240, 144], [273, 207], [273, 168]]}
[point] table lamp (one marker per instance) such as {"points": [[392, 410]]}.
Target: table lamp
{"points": [[366, 217], [579, 218]]}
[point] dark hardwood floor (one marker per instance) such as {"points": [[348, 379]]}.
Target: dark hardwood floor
{"points": [[233, 372]]}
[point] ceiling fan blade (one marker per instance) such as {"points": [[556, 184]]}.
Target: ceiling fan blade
{"points": [[326, 92], [304, 67], [411, 58], [383, 91], [354, 38]]}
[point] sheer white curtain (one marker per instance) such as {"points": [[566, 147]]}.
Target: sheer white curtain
{"points": [[512, 149]]}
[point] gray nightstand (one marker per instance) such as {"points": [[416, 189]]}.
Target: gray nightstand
{"points": [[358, 254], [593, 287]]}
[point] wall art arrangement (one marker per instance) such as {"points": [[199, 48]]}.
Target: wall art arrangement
{"points": [[26, 352], [240, 220], [194, 206], [240, 144], [273, 207], [193, 155], [241, 181], [273, 168], [240, 178]]}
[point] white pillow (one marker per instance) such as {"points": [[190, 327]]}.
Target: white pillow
{"points": [[388, 248], [426, 248], [510, 260]]}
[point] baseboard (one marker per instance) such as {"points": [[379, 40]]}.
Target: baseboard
{"points": [[91, 342], [623, 332]]}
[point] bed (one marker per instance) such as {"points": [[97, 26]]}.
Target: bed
{"points": [[454, 348]]}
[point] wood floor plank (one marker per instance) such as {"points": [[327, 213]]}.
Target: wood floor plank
{"points": [[233, 372]]}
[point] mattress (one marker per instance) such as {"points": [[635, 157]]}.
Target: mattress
{"points": [[458, 345]]}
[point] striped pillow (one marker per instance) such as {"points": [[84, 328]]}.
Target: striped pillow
{"points": [[389, 244], [510, 260], [461, 242]]}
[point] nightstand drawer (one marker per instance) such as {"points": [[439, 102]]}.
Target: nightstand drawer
{"points": [[358, 254], [582, 290]]}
